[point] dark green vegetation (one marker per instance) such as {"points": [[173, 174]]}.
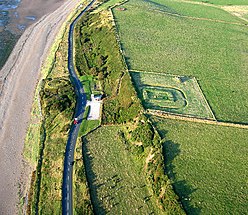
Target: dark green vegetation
{"points": [[7, 41], [125, 170], [176, 94], [224, 2], [88, 83], [97, 54], [208, 165], [212, 49]]}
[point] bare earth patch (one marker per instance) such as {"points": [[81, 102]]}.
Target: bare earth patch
{"points": [[239, 11]]}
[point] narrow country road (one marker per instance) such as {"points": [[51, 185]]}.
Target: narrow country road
{"points": [[67, 206]]}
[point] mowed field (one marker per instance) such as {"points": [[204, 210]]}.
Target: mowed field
{"points": [[170, 93], [208, 165], [116, 180], [193, 40]]}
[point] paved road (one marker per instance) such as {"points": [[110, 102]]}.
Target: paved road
{"points": [[67, 207]]}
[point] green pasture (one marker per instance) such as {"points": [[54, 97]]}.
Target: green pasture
{"points": [[170, 93], [193, 11], [224, 2], [207, 164], [116, 179], [213, 52]]}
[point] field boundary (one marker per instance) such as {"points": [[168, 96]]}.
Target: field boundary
{"points": [[204, 98], [120, 47], [222, 7], [201, 19], [195, 119], [159, 73]]}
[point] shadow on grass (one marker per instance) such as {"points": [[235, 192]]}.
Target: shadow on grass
{"points": [[184, 190], [91, 179]]}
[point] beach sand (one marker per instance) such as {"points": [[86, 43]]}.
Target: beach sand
{"points": [[18, 79]]}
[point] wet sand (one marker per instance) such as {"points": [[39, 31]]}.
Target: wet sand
{"points": [[18, 79]]}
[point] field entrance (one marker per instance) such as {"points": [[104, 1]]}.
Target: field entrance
{"points": [[170, 93]]}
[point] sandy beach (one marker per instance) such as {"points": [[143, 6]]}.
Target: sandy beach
{"points": [[18, 79]]}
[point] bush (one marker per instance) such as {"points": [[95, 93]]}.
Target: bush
{"points": [[143, 133]]}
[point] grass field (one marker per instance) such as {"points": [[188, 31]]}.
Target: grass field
{"points": [[224, 2], [193, 11], [175, 94], [207, 164], [125, 176], [117, 183], [213, 52]]}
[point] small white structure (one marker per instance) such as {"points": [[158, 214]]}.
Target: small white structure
{"points": [[96, 98], [95, 107]]}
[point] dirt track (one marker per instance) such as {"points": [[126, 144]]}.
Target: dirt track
{"points": [[18, 79], [193, 119]]}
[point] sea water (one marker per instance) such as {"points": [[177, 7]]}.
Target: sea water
{"points": [[11, 27], [16, 16]]}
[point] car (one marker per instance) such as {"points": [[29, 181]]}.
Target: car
{"points": [[75, 121]]}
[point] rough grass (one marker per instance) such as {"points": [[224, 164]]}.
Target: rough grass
{"points": [[175, 94], [207, 164], [81, 196], [58, 102], [215, 53], [101, 58], [117, 177], [31, 146]]}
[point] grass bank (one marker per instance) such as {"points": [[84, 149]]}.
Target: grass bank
{"points": [[81, 197], [97, 54]]}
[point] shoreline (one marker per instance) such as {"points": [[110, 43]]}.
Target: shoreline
{"points": [[18, 16], [18, 80]]}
